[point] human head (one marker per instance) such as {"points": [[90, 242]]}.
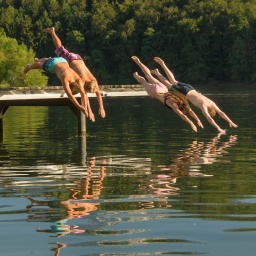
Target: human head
{"points": [[211, 111], [90, 86], [74, 87], [182, 102]]}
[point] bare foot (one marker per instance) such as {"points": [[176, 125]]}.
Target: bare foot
{"points": [[49, 30], [155, 71], [26, 69], [139, 78], [158, 60], [36, 59], [135, 59], [136, 75]]}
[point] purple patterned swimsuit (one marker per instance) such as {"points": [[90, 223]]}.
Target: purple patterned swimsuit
{"points": [[68, 56]]}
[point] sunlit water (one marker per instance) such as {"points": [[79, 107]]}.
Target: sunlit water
{"points": [[140, 183]]}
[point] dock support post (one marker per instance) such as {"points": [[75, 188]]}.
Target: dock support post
{"points": [[81, 119], [3, 109], [82, 123], [83, 149]]}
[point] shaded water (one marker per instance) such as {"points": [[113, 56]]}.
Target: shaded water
{"points": [[140, 183]]}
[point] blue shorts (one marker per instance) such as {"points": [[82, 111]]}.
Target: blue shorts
{"points": [[182, 88], [49, 64]]}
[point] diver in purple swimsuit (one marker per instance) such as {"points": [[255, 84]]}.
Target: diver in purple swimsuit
{"points": [[76, 62]]}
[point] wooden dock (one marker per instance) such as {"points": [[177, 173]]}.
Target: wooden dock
{"points": [[55, 96]]}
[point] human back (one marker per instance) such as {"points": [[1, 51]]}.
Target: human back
{"points": [[65, 73], [81, 69], [202, 102]]}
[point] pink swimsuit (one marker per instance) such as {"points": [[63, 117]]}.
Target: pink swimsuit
{"points": [[161, 89], [68, 56]]}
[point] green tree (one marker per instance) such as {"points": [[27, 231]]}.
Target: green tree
{"points": [[13, 58], [237, 61]]}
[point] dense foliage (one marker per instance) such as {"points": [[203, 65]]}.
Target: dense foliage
{"points": [[200, 40], [12, 59]]}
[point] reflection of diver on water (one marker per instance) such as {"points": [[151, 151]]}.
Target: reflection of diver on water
{"points": [[57, 250], [75, 207], [72, 209], [60, 228], [190, 160], [187, 163], [91, 186]]}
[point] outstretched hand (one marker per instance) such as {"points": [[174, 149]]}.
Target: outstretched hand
{"points": [[84, 110], [91, 117], [231, 124], [193, 127], [200, 124], [222, 132], [102, 113]]}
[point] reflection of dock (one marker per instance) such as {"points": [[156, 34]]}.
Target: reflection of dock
{"points": [[54, 96]]}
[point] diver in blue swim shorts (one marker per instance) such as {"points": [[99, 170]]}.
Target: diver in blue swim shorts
{"points": [[71, 82], [78, 65], [207, 106], [48, 65]]}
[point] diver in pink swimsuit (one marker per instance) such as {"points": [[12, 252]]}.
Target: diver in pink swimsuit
{"points": [[159, 91], [207, 106]]}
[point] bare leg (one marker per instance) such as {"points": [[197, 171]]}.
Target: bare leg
{"points": [[145, 70], [35, 65], [150, 88], [41, 60], [163, 79], [140, 79], [55, 38], [166, 70], [38, 203]]}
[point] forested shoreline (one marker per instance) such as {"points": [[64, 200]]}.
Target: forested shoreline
{"points": [[208, 41]]}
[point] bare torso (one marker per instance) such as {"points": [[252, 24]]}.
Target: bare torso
{"points": [[64, 72], [80, 68], [154, 93], [198, 100]]}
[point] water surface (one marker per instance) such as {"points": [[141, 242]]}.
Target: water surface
{"points": [[140, 183]]}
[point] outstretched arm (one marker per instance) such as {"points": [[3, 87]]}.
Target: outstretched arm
{"points": [[211, 121], [193, 114], [90, 113], [225, 117], [73, 99], [100, 102], [55, 38], [86, 102], [184, 117]]}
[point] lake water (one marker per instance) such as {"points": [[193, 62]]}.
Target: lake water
{"points": [[140, 183]]}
